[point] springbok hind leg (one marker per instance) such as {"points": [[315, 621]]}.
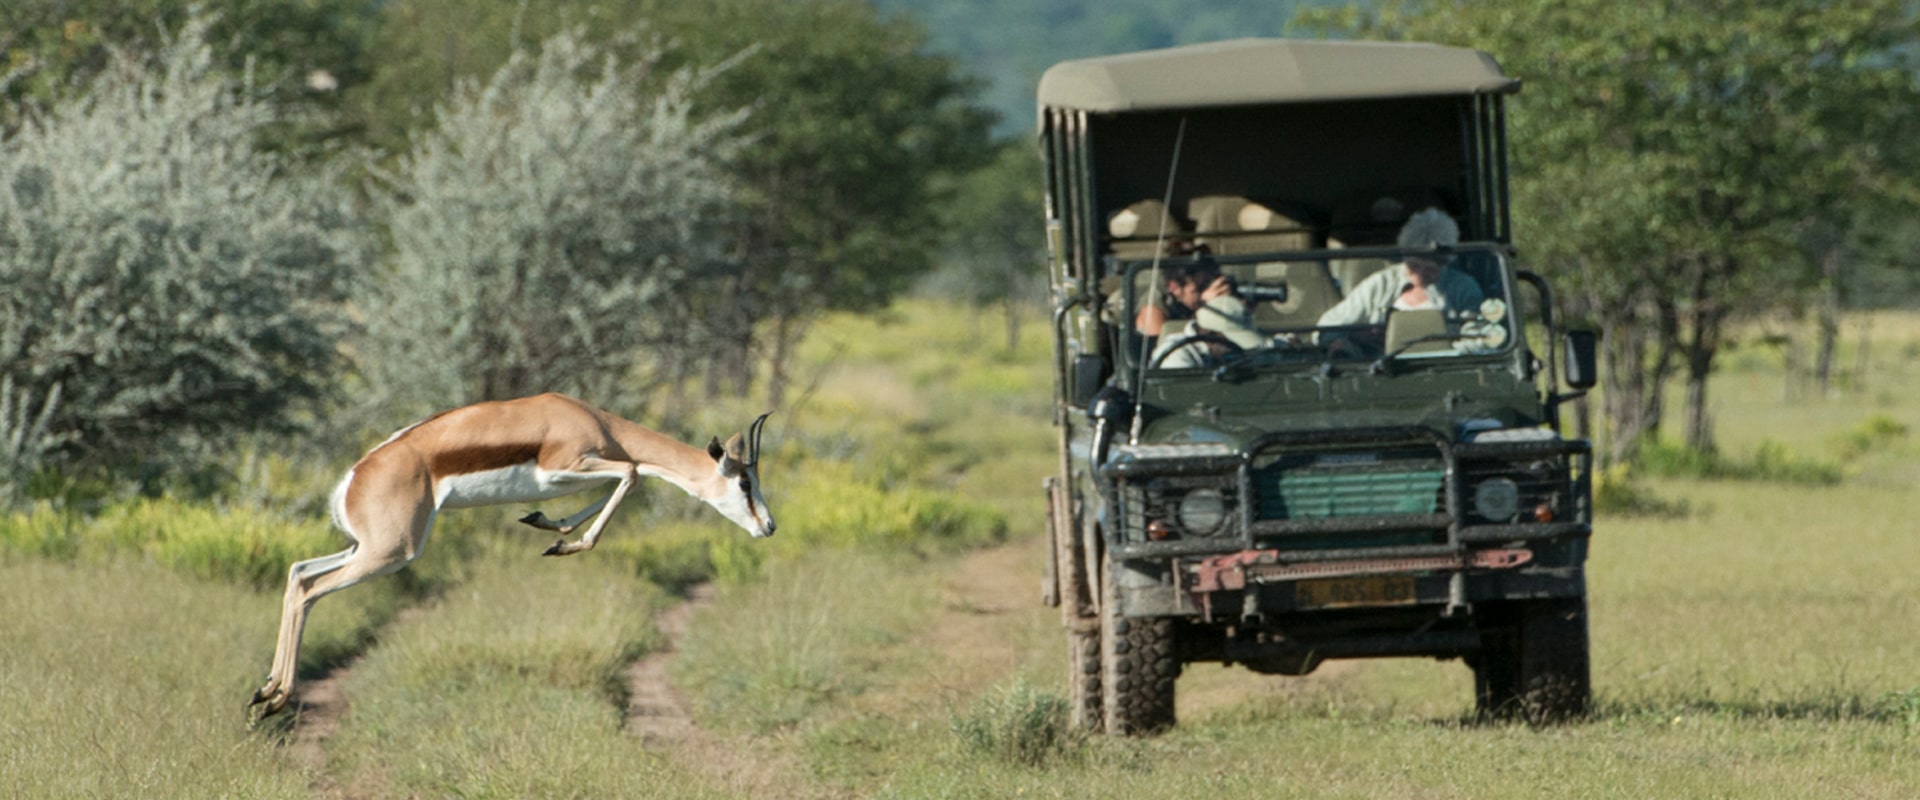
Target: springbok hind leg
{"points": [[308, 581]]}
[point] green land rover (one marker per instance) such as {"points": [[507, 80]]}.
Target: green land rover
{"points": [[1308, 404]]}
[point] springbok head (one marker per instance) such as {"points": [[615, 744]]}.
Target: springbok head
{"points": [[738, 462]]}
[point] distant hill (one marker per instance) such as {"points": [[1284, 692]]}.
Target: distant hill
{"points": [[1009, 43]]}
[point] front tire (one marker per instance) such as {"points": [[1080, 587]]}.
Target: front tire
{"points": [[1535, 662]]}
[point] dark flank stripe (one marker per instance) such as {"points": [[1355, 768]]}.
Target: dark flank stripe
{"points": [[463, 460]]}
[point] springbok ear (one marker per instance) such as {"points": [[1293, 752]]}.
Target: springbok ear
{"points": [[730, 464], [734, 448], [713, 449]]}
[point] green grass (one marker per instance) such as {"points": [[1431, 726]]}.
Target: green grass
{"points": [[127, 680], [1750, 628], [509, 686]]}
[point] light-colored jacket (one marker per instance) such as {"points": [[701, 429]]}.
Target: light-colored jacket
{"points": [[1453, 291], [1226, 315]]}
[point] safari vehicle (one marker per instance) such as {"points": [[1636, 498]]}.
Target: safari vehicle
{"points": [[1278, 505]]}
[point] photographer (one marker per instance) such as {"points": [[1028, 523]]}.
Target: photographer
{"points": [[1201, 293]]}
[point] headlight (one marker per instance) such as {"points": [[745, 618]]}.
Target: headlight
{"points": [[1202, 511], [1496, 499]]}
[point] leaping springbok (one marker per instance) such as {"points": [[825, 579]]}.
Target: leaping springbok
{"points": [[511, 451]]}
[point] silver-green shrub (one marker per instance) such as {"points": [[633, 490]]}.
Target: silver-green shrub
{"points": [[547, 234], [177, 283]]}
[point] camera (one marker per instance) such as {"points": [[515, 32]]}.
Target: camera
{"points": [[1264, 292]]}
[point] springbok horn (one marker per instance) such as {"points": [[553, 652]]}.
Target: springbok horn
{"points": [[753, 438]]}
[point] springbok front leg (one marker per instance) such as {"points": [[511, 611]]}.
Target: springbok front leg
{"points": [[595, 469], [567, 524]]}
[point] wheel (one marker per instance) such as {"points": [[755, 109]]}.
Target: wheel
{"points": [[1083, 680], [1077, 613], [1139, 664], [1534, 663]]}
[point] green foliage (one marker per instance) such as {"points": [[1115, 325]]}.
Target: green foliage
{"points": [[1770, 461], [177, 284], [1019, 725], [1012, 41], [237, 545], [546, 234], [995, 253], [1618, 493], [1876, 433], [1669, 161], [288, 46]]}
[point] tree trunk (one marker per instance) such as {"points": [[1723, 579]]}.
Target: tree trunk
{"points": [[1829, 319], [1625, 355], [1701, 345]]}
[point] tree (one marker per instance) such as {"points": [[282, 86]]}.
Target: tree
{"points": [[1669, 159], [996, 250], [547, 233], [169, 284], [855, 129], [296, 52]]}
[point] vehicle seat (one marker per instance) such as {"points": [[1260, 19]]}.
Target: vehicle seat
{"points": [[1267, 230], [1406, 326], [1138, 228]]}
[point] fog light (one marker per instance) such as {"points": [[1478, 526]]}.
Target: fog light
{"points": [[1496, 499], [1543, 513], [1157, 530], [1202, 511]]}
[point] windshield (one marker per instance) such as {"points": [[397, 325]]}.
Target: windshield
{"points": [[1380, 305]]}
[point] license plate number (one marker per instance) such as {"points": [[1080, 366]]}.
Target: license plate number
{"points": [[1340, 592]]}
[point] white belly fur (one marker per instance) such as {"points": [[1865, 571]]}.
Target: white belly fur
{"points": [[521, 483]]}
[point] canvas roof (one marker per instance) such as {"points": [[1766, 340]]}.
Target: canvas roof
{"points": [[1261, 71]]}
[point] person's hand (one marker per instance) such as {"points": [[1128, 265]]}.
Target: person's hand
{"points": [[1221, 287]]}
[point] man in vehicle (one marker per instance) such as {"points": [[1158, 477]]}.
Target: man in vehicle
{"points": [[1220, 319], [1419, 282]]}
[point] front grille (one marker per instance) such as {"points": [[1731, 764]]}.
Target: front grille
{"points": [[1327, 485]]}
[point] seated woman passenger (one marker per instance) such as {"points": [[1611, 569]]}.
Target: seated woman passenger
{"points": [[1418, 282]]}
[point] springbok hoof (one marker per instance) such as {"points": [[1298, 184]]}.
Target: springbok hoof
{"points": [[271, 701], [558, 548]]}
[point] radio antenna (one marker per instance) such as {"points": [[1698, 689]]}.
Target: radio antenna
{"points": [[1154, 288]]}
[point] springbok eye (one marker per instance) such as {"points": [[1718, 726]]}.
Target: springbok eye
{"points": [[746, 487]]}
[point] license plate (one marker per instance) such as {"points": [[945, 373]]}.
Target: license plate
{"points": [[1386, 590]]}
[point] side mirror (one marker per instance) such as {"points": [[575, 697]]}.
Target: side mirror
{"points": [[1084, 379], [1581, 370]]}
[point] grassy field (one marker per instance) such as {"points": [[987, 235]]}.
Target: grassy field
{"points": [[890, 643]]}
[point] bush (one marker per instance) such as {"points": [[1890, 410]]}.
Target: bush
{"points": [[175, 282], [1018, 725], [547, 234], [1875, 433], [245, 546], [1770, 461], [1617, 492]]}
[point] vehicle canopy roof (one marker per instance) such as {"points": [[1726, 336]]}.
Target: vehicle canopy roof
{"points": [[1268, 71]]}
